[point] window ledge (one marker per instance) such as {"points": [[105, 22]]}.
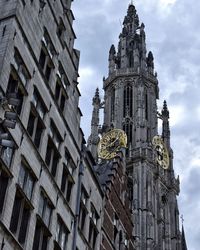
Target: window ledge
{"points": [[8, 232], [5, 168], [21, 191], [41, 222]]}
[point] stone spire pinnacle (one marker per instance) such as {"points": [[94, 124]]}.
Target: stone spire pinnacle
{"points": [[112, 59], [96, 98], [131, 20], [94, 136], [165, 111], [165, 124]]}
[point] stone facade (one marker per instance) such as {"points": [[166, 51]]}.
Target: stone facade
{"points": [[43, 178]]}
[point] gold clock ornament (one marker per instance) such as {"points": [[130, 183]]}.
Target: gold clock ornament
{"points": [[111, 143], [162, 152]]}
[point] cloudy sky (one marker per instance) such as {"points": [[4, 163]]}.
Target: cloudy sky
{"points": [[173, 35]]}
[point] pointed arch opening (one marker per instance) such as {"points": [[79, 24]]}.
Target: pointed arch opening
{"points": [[128, 101], [128, 129], [112, 103]]}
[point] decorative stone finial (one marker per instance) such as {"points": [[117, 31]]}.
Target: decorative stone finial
{"points": [[112, 50], [165, 111], [96, 98]]}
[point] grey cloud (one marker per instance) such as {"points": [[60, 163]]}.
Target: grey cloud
{"points": [[174, 39]]}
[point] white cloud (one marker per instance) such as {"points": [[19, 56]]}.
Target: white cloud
{"points": [[177, 114], [166, 3]]}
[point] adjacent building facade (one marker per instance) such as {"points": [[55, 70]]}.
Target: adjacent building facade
{"points": [[54, 192], [46, 174]]}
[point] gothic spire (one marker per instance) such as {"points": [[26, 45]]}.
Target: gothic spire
{"points": [[132, 46], [131, 20]]}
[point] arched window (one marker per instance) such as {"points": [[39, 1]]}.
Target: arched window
{"points": [[128, 101], [146, 107], [131, 61], [112, 105], [128, 129]]}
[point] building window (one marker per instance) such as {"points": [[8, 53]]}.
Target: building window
{"points": [[94, 215], [55, 135], [60, 31], [130, 195], [35, 127], [93, 231], [61, 234], [21, 69], [128, 101], [52, 157], [39, 104], [35, 123], [60, 95], [63, 76], [41, 237], [128, 129], [62, 84], [131, 59], [52, 153], [26, 180], [42, 232], [15, 86], [20, 217], [67, 183], [3, 187], [83, 209], [45, 209], [146, 107], [12, 84], [46, 56], [6, 153], [20, 96], [69, 162]]}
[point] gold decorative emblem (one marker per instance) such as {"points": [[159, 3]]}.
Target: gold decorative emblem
{"points": [[110, 143], [162, 152]]}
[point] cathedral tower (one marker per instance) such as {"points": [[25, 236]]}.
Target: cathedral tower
{"points": [[130, 103]]}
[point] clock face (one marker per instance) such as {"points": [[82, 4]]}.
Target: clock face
{"points": [[111, 143], [162, 152]]}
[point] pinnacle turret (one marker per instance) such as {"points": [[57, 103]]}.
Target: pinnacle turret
{"points": [[112, 59], [150, 63], [94, 138], [165, 111], [96, 98], [165, 125]]}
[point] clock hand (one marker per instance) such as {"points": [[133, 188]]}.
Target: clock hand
{"points": [[113, 143]]}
